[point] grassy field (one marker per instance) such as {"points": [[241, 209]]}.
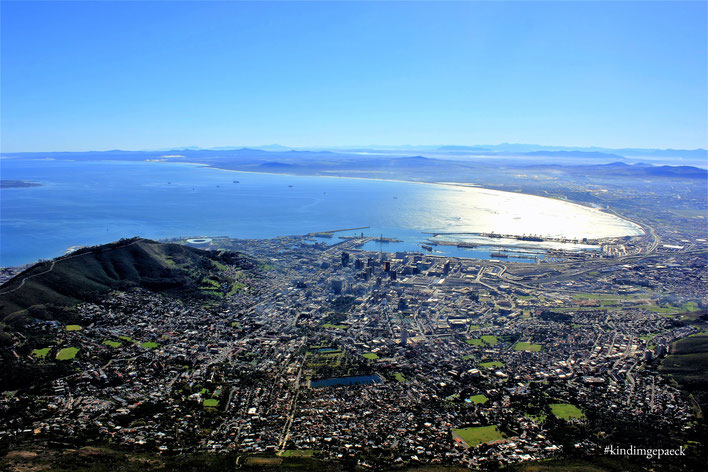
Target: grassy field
{"points": [[687, 307], [528, 347], [149, 345], [491, 340], [210, 402], [602, 296], [296, 453], [73, 328], [475, 327], [67, 353], [475, 342], [538, 418], [491, 364], [111, 343], [478, 435], [478, 399], [566, 411], [399, 377], [334, 326], [331, 354], [371, 356], [263, 462], [329, 359], [41, 353]]}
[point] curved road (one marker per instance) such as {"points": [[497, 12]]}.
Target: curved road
{"points": [[52, 267], [29, 277]]}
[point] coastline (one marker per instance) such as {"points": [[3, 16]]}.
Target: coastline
{"points": [[461, 185], [451, 199]]}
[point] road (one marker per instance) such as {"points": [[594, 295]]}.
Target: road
{"points": [[51, 268], [291, 415]]}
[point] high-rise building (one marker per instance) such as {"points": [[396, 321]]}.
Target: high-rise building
{"points": [[404, 337]]}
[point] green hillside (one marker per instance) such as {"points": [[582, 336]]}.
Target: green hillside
{"points": [[46, 289], [688, 364]]}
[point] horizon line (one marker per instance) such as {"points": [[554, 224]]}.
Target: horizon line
{"points": [[342, 147]]}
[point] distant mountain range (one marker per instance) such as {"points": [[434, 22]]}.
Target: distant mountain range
{"points": [[621, 169], [584, 154], [426, 166], [503, 149], [537, 149]]}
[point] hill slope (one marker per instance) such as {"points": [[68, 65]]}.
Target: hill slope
{"points": [[43, 289]]}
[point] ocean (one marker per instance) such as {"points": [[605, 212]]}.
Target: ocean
{"points": [[87, 203]]}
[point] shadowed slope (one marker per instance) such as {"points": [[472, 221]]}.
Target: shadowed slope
{"points": [[84, 275]]}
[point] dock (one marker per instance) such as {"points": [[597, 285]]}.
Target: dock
{"points": [[332, 231]]}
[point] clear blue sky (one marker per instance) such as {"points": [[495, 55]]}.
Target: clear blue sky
{"points": [[132, 75]]}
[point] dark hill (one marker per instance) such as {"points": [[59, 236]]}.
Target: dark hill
{"points": [[623, 170], [276, 165], [46, 288]]}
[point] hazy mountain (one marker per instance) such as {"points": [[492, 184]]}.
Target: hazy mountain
{"points": [[566, 154]]}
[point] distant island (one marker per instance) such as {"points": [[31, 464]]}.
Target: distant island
{"points": [[18, 184]]}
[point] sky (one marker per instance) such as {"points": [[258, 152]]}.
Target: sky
{"points": [[130, 75]]}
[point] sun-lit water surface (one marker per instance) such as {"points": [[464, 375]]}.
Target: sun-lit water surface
{"points": [[82, 203]]}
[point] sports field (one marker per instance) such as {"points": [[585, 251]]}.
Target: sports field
{"points": [[41, 353], [478, 399], [566, 411], [528, 347], [67, 353], [478, 434]]}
